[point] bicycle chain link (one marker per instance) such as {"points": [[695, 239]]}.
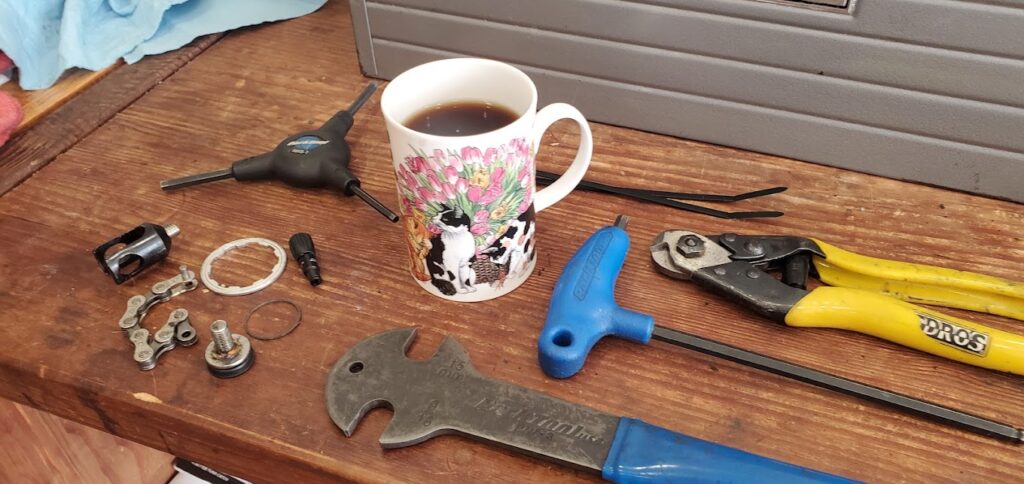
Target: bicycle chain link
{"points": [[177, 330]]}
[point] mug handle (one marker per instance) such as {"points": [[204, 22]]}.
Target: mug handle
{"points": [[572, 176]]}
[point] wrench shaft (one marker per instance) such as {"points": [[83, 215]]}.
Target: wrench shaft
{"points": [[444, 394], [531, 422], [939, 413]]}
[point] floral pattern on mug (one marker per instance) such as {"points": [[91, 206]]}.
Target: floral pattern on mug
{"points": [[468, 213]]}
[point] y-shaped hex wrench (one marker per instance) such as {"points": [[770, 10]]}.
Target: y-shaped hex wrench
{"points": [[583, 310], [445, 394]]}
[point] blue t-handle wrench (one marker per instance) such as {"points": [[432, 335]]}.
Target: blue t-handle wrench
{"points": [[583, 310]]}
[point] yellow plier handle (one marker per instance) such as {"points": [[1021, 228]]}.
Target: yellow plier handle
{"points": [[882, 316], [863, 302], [868, 295], [920, 283]]}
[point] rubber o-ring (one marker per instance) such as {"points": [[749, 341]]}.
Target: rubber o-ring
{"points": [[286, 332], [275, 273]]}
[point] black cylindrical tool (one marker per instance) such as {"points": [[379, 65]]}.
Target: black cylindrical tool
{"points": [[304, 252], [137, 249], [310, 159]]}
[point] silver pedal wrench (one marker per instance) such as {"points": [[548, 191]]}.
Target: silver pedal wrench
{"points": [[446, 395]]}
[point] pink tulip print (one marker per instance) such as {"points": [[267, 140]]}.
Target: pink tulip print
{"points": [[451, 174], [416, 163], [491, 194], [455, 162], [471, 155], [449, 191], [475, 194], [479, 229], [489, 156], [497, 175], [492, 184], [435, 184]]}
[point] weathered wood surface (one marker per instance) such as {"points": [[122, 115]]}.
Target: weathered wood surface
{"points": [[35, 105], [31, 149], [38, 447], [63, 354]]}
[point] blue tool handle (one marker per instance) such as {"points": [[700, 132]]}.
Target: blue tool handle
{"points": [[644, 453], [583, 308]]}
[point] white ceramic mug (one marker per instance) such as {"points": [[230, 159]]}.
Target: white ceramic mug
{"points": [[468, 202]]}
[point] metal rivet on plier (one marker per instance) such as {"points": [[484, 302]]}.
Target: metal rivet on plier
{"points": [[754, 247]]}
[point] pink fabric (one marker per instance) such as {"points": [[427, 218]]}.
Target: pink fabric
{"points": [[10, 116], [10, 110]]}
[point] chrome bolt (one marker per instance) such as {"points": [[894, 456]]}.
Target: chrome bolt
{"points": [[222, 337], [228, 355]]}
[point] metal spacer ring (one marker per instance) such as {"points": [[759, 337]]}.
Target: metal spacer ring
{"points": [[213, 285], [286, 332]]}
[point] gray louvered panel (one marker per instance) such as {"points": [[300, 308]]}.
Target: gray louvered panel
{"points": [[983, 124], [978, 27], [884, 62], [887, 104], [855, 147]]}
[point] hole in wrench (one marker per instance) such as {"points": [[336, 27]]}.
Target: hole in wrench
{"points": [[355, 367], [186, 334], [562, 338]]}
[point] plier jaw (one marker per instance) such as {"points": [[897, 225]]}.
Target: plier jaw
{"points": [[858, 293], [737, 266], [791, 255]]}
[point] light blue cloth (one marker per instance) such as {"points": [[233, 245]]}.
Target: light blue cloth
{"points": [[45, 37]]}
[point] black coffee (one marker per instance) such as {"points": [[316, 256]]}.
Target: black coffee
{"points": [[463, 118]]}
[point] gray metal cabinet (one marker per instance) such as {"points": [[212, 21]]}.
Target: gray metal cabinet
{"points": [[924, 90]]}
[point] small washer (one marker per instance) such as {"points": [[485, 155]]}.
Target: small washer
{"points": [[286, 332], [259, 285]]}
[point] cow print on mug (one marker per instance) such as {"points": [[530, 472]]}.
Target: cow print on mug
{"points": [[469, 215]]}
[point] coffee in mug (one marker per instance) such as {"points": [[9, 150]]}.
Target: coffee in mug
{"points": [[461, 119], [464, 135]]}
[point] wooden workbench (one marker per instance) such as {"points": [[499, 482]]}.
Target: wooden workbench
{"points": [[227, 97]]}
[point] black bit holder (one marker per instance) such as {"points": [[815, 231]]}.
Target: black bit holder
{"points": [[304, 252], [310, 159]]}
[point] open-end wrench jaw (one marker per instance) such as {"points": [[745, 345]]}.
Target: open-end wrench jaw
{"points": [[445, 394], [378, 373]]}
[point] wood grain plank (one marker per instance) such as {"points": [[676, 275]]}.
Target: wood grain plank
{"points": [[250, 89], [37, 104], [32, 149], [37, 447]]}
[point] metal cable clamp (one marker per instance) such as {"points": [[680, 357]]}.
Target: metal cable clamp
{"points": [[177, 330]]}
